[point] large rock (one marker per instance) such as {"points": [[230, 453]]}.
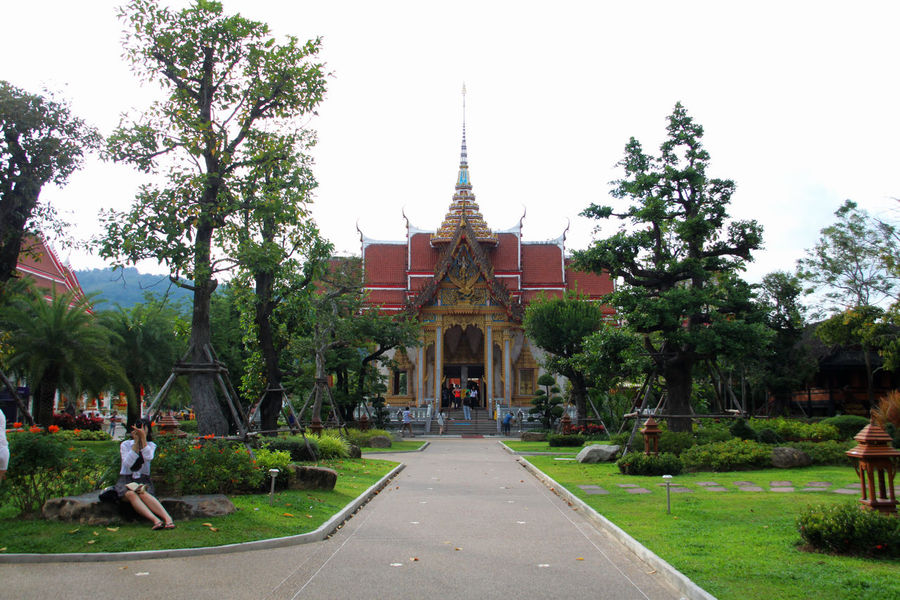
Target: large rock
{"points": [[597, 453], [87, 508], [355, 452], [534, 436], [379, 441], [789, 458], [311, 478]]}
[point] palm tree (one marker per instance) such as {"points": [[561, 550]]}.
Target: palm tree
{"points": [[146, 345], [59, 345]]}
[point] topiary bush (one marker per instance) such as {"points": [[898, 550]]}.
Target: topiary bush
{"points": [[710, 432], [847, 425], [295, 447], [332, 446], [565, 441], [795, 430], [361, 438], [732, 455], [189, 426], [274, 459], [740, 429], [767, 435], [850, 529], [207, 466], [675, 442], [638, 463]]}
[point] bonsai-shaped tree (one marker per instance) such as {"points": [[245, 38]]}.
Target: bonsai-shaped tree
{"points": [[547, 402]]}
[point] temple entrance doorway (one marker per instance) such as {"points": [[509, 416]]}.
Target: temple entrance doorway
{"points": [[463, 378]]}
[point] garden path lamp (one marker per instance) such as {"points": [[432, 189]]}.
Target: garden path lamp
{"points": [[668, 479], [876, 467], [651, 432], [273, 473]]}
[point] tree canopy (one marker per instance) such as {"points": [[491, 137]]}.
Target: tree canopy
{"points": [[225, 80], [677, 254], [41, 142]]}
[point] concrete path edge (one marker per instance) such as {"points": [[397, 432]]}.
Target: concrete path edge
{"points": [[326, 529], [676, 578]]}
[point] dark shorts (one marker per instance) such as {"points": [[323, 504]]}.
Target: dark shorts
{"points": [[124, 479]]}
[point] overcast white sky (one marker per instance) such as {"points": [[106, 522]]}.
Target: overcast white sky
{"points": [[799, 101]]}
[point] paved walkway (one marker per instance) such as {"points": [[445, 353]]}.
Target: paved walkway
{"points": [[463, 520]]}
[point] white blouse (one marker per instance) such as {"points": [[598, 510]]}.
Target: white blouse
{"points": [[129, 456]]}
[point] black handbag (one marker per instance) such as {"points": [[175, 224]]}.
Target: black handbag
{"points": [[109, 495]]}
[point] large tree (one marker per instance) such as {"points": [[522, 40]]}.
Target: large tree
{"points": [[852, 264], [561, 326], [41, 142], [224, 79], [676, 256]]}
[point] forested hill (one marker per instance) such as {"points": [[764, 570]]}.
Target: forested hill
{"points": [[126, 287]]}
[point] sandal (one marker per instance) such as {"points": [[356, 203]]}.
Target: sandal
{"points": [[157, 526], [169, 526]]}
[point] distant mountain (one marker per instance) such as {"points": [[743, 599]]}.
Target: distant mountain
{"points": [[126, 287]]}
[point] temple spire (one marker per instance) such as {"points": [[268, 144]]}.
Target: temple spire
{"points": [[464, 205]]}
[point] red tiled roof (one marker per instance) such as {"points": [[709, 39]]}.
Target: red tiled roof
{"points": [[417, 283], [541, 265], [424, 257], [590, 284], [386, 297], [505, 257], [38, 262], [385, 264]]}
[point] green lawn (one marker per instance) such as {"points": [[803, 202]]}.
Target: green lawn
{"points": [[734, 544], [402, 446], [294, 512], [545, 447]]}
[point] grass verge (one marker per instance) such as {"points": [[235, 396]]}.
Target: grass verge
{"points": [[401, 446], [734, 544], [293, 512], [545, 447]]}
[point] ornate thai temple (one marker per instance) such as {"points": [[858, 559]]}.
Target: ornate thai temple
{"points": [[468, 285]]}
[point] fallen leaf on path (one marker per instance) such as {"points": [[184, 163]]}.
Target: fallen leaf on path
{"points": [[457, 549], [123, 568], [580, 558], [651, 572], [413, 558]]}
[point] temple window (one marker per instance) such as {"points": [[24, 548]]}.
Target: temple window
{"points": [[399, 383], [526, 382]]}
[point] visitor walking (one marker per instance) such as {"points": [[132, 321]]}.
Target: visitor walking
{"points": [[4, 447], [407, 423], [113, 419], [467, 410], [441, 422], [507, 419]]}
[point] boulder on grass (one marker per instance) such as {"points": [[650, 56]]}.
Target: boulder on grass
{"points": [[597, 453], [379, 441], [355, 452], [304, 477], [88, 509], [789, 458], [534, 436]]}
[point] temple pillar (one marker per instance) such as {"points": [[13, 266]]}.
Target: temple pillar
{"points": [[420, 376], [438, 365], [489, 363], [507, 370]]}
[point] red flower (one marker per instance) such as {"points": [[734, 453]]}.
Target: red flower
{"points": [[34, 429], [76, 431], [17, 425]]}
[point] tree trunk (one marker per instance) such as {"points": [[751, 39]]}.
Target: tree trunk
{"points": [[679, 376], [270, 407], [210, 419], [870, 380], [43, 414], [579, 398], [15, 208]]}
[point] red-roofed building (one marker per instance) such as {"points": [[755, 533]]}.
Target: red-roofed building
{"points": [[468, 286], [39, 263]]}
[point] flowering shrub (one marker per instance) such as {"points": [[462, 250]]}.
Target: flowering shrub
{"points": [[83, 435], [850, 529], [733, 455], [589, 430], [67, 421], [183, 466], [42, 467], [638, 463]]}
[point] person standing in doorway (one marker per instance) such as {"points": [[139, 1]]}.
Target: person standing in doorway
{"points": [[407, 423], [441, 421], [466, 402]]}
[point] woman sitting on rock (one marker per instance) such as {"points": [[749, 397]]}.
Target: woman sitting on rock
{"points": [[134, 485]]}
